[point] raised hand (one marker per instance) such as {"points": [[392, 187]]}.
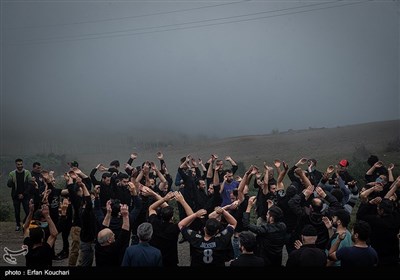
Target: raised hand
{"points": [[390, 166], [327, 222], [285, 165], [228, 158], [201, 213], [134, 156], [160, 155], [298, 244], [108, 207], [301, 161], [277, 163], [124, 210], [330, 169]]}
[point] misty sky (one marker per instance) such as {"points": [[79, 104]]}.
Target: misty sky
{"points": [[113, 65]]}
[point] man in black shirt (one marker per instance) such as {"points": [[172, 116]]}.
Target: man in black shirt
{"points": [[40, 253], [248, 244], [212, 248]]}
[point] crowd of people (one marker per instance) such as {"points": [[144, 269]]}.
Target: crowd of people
{"points": [[127, 217]]}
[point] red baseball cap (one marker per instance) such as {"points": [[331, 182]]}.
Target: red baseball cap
{"points": [[344, 163]]}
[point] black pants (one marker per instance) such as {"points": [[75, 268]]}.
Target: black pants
{"points": [[17, 209]]}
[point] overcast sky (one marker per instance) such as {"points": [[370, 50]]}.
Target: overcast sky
{"points": [[216, 68]]}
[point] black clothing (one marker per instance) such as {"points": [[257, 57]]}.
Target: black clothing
{"points": [[248, 260], [165, 238], [41, 256], [308, 255]]}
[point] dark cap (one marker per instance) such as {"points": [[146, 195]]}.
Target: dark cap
{"points": [[309, 230], [115, 163], [73, 163]]}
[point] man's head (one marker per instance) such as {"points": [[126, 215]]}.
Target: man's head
{"points": [[343, 164], [36, 235], [145, 232], [229, 176], [361, 231], [247, 241], [312, 161], [115, 164], [210, 190], [73, 164], [167, 213], [106, 178], [123, 179], [274, 215], [19, 164], [341, 217], [316, 205], [212, 227], [383, 179], [106, 237], [202, 184], [309, 234], [36, 167]]}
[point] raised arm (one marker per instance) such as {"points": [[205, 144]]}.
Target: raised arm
{"points": [[189, 219], [52, 226]]}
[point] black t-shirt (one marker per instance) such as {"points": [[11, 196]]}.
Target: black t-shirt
{"points": [[248, 260], [165, 238], [20, 182], [111, 255], [41, 256], [213, 252]]}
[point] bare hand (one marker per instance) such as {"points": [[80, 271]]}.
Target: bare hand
{"points": [[277, 163], [390, 166], [327, 222], [124, 210], [330, 169], [160, 155], [134, 156], [201, 213], [298, 244], [301, 161]]}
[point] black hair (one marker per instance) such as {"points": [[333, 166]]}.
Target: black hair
{"points": [[36, 235], [18, 160], [363, 230], [276, 213], [212, 226], [123, 176], [372, 160], [343, 216], [106, 175], [248, 240], [167, 213], [36, 164]]}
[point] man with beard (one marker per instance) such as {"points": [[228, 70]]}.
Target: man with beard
{"points": [[19, 181], [359, 255]]}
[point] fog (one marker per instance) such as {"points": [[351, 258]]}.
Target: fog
{"points": [[75, 71]]}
